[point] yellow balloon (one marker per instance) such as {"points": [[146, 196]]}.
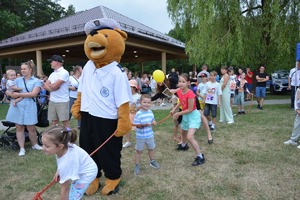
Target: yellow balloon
{"points": [[158, 76]]}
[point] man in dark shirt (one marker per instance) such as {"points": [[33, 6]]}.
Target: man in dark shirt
{"points": [[173, 79], [261, 83]]}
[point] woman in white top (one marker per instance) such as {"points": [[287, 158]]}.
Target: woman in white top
{"points": [[73, 86]]}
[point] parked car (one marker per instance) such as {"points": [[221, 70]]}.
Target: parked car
{"points": [[278, 82]]}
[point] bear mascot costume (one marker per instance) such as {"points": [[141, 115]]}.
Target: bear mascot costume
{"points": [[103, 101]]}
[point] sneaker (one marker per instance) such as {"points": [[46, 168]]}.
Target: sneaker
{"points": [[37, 147], [212, 129], [154, 164], [239, 112], [137, 169], [22, 152], [290, 142], [260, 107], [181, 148], [210, 141], [162, 104], [199, 161], [221, 121], [243, 112], [230, 122], [298, 147], [127, 144]]}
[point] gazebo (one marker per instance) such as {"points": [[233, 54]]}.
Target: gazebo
{"points": [[66, 37]]}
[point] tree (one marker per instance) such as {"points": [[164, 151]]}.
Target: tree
{"points": [[239, 33], [18, 16]]}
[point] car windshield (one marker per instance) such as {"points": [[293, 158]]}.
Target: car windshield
{"points": [[282, 76]]}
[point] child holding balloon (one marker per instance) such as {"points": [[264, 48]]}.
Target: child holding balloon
{"points": [[190, 118]]}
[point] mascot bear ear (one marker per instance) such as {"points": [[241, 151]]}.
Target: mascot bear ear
{"points": [[122, 33]]}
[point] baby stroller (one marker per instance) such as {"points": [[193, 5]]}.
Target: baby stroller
{"points": [[1, 95], [9, 139]]}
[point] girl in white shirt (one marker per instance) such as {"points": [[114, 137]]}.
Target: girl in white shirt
{"points": [[75, 168], [134, 107]]}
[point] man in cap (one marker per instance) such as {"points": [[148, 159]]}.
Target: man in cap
{"points": [[57, 85]]}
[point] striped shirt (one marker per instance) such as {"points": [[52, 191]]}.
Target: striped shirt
{"points": [[144, 117]]}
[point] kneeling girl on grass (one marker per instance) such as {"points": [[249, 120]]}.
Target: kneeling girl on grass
{"points": [[75, 168], [191, 119]]}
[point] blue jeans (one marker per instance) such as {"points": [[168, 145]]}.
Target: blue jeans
{"points": [[77, 189]]}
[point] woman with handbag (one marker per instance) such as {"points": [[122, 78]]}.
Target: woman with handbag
{"points": [[25, 112]]}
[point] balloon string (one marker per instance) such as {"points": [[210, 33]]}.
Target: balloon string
{"points": [[166, 85]]}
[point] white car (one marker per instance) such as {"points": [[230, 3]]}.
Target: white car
{"points": [[279, 81]]}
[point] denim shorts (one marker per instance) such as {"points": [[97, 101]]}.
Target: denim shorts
{"points": [[260, 92], [77, 189], [249, 86], [191, 120], [140, 143], [212, 108]]}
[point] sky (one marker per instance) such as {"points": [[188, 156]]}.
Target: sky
{"points": [[144, 11]]}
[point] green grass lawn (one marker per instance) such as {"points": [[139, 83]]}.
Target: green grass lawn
{"points": [[248, 160]]}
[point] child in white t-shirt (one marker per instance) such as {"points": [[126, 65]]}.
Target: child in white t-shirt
{"points": [[134, 107], [11, 85], [201, 90], [73, 163], [212, 99]]}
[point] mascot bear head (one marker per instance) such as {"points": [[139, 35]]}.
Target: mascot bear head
{"points": [[105, 41]]}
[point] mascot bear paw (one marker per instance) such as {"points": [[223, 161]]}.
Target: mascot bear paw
{"points": [[92, 189], [111, 186]]}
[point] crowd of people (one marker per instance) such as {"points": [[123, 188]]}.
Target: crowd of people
{"points": [[196, 99]]}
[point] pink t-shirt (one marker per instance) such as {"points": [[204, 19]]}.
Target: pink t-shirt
{"points": [[183, 98]]}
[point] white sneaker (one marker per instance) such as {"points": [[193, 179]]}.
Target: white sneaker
{"points": [[127, 144], [291, 142], [37, 147], [298, 147], [22, 152], [230, 122], [162, 104]]}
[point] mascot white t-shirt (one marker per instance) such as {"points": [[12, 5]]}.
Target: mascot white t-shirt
{"points": [[103, 90]]}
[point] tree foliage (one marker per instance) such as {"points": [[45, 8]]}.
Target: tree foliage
{"points": [[17, 16], [239, 32]]}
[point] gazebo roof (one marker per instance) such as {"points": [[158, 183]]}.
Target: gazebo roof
{"points": [[72, 26]]}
